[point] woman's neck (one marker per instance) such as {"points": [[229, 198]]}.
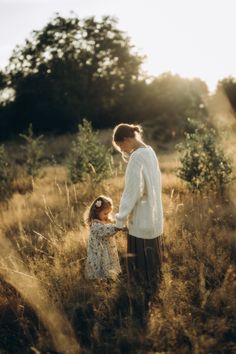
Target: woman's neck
{"points": [[137, 144]]}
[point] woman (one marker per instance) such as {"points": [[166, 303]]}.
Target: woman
{"points": [[141, 206]]}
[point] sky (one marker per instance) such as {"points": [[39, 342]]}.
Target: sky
{"points": [[192, 38]]}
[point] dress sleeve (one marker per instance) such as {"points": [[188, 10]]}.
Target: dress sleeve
{"points": [[102, 230], [133, 190]]}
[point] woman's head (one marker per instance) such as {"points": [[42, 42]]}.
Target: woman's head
{"points": [[125, 136], [100, 209]]}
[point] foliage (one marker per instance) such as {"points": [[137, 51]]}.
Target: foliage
{"points": [[170, 101], [69, 69], [33, 151], [229, 87], [6, 174], [74, 68], [203, 164], [88, 157]]}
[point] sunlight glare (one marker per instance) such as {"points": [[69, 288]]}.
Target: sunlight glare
{"points": [[189, 38]]}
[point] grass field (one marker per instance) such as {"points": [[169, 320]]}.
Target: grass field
{"points": [[46, 305]]}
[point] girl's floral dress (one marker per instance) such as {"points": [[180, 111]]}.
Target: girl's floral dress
{"points": [[102, 257]]}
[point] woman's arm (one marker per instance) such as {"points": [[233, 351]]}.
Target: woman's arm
{"points": [[134, 185]]}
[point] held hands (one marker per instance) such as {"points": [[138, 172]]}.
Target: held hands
{"points": [[123, 229]]}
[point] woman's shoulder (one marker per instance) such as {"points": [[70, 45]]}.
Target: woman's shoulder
{"points": [[142, 152]]}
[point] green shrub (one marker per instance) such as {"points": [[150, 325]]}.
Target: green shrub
{"points": [[88, 157], [203, 164], [6, 174], [33, 151]]}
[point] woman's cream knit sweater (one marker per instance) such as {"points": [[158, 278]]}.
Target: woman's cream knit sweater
{"points": [[141, 203]]}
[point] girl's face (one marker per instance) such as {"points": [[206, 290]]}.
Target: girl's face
{"points": [[104, 214]]}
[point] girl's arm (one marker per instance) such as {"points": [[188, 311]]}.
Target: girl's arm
{"points": [[102, 230]]}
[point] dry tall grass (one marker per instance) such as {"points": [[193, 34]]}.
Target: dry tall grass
{"points": [[47, 306]]}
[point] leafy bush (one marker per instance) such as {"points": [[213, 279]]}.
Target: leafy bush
{"points": [[203, 164], [33, 151], [6, 174], [88, 157]]}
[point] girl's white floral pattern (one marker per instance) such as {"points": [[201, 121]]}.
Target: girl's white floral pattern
{"points": [[102, 257]]}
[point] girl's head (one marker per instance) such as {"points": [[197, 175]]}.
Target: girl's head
{"points": [[125, 136], [100, 209]]}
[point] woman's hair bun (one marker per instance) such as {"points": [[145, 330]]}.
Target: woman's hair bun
{"points": [[138, 128]]}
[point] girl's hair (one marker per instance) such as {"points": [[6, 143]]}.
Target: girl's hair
{"points": [[100, 203], [122, 131]]}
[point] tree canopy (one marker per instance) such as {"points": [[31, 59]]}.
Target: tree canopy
{"points": [[229, 88], [76, 68], [69, 70], [174, 100]]}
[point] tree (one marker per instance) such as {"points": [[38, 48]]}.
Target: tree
{"points": [[203, 164], [70, 69], [229, 88], [33, 151], [6, 174], [170, 101], [88, 157]]}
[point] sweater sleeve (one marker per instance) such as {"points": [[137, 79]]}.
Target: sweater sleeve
{"points": [[132, 191], [102, 230]]}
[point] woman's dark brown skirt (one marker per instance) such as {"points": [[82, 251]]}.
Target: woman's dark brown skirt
{"points": [[144, 261]]}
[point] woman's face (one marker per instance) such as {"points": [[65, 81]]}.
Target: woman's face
{"points": [[125, 145], [104, 214]]}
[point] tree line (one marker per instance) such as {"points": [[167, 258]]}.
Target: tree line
{"points": [[75, 68]]}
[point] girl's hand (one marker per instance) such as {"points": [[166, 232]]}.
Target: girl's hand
{"points": [[124, 229]]}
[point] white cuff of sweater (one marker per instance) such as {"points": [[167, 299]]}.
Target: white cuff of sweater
{"points": [[119, 223]]}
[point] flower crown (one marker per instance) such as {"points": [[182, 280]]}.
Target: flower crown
{"points": [[98, 203]]}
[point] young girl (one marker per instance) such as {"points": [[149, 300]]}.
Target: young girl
{"points": [[102, 257]]}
